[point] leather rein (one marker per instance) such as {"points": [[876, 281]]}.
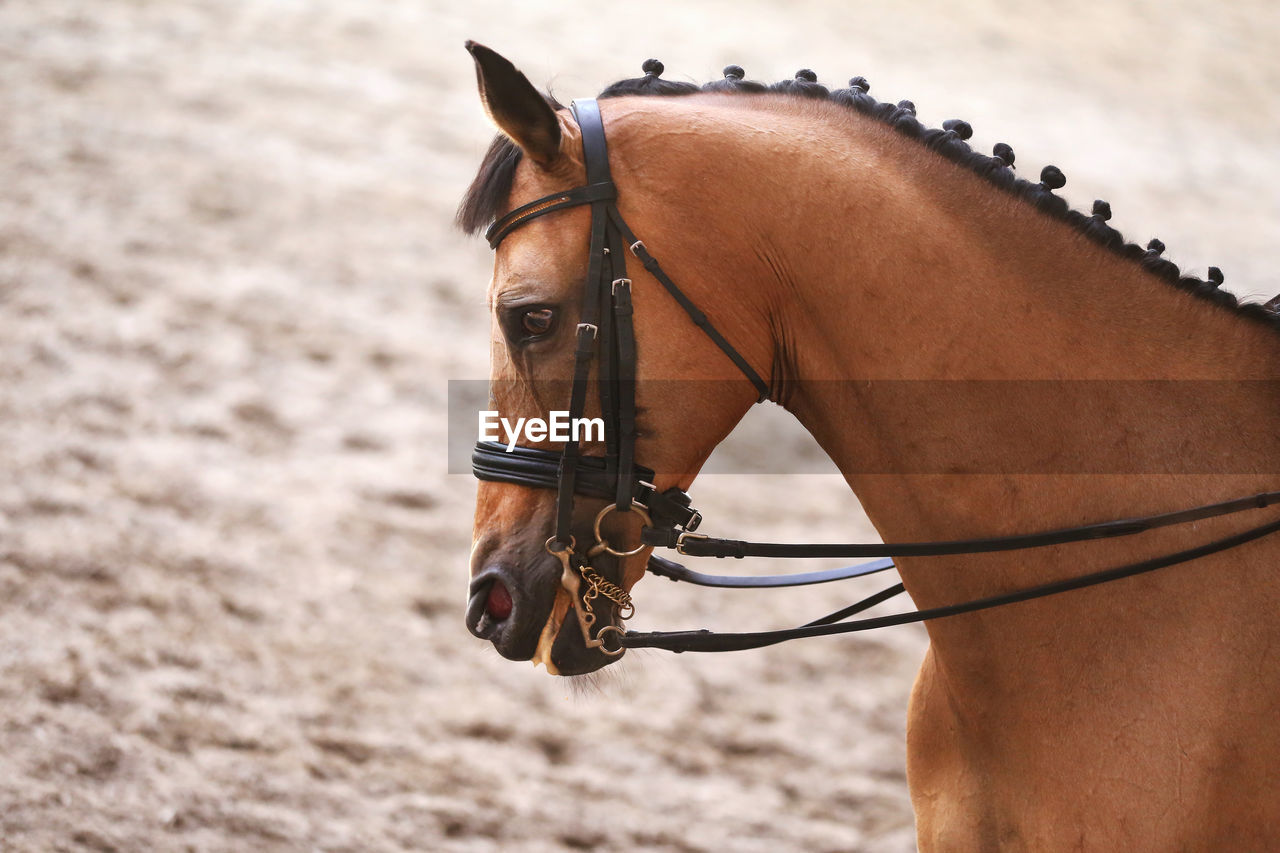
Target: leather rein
{"points": [[605, 334]]}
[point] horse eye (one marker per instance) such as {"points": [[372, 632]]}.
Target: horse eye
{"points": [[537, 321]]}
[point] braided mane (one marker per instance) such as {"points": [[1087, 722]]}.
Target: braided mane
{"points": [[487, 197]]}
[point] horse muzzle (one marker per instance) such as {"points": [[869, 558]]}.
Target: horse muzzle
{"points": [[528, 615]]}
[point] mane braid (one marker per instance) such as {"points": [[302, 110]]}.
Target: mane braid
{"points": [[488, 196]]}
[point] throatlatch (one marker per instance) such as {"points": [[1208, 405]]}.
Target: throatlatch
{"points": [[605, 335]]}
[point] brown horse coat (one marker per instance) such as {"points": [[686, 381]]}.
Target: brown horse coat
{"points": [[841, 258]]}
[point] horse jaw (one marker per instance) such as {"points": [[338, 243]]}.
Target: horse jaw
{"points": [[551, 630]]}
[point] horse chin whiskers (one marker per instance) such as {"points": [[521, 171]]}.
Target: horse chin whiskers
{"points": [[589, 683], [606, 681]]}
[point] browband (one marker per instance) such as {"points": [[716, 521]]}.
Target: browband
{"points": [[575, 197]]}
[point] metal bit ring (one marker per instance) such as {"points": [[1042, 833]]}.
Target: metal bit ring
{"points": [[613, 653], [601, 541], [572, 544]]}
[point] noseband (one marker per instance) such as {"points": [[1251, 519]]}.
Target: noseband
{"points": [[605, 334]]}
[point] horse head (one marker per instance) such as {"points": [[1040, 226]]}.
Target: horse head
{"points": [[523, 593]]}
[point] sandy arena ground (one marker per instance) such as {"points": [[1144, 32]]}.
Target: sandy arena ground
{"points": [[232, 564]]}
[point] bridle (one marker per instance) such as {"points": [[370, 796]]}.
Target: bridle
{"points": [[606, 334]]}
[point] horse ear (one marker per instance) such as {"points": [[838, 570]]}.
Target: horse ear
{"points": [[518, 109]]}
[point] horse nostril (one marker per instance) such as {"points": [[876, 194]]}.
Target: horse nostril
{"points": [[498, 603], [491, 605], [506, 609]]}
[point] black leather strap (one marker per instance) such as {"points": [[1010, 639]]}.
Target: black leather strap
{"points": [[708, 641], [696, 545], [566, 485], [589, 328], [547, 204], [595, 150], [859, 606], [625, 379], [697, 316], [668, 509], [539, 469]]}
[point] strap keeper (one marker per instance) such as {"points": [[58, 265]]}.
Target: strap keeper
{"points": [[586, 341], [669, 509], [622, 298], [684, 538], [658, 537]]}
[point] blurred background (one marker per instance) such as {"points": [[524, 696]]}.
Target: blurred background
{"points": [[232, 563]]}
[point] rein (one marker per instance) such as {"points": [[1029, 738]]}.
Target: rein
{"points": [[606, 334]]}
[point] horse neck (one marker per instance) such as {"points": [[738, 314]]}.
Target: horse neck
{"points": [[862, 257], [925, 276]]}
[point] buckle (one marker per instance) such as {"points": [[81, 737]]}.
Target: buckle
{"points": [[692, 524], [680, 540], [592, 328], [619, 281]]}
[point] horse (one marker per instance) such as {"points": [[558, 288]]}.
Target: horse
{"points": [[978, 360]]}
